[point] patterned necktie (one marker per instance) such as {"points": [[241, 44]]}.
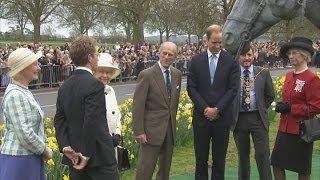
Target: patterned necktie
{"points": [[212, 67], [246, 86], [168, 82]]}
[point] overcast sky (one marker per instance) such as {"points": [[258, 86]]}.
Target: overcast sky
{"points": [[4, 26]]}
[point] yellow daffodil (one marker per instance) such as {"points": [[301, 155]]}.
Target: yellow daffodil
{"points": [[2, 126], [50, 162], [66, 177], [52, 143], [49, 131]]}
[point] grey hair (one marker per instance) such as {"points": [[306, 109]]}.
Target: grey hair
{"points": [[170, 44], [306, 54]]}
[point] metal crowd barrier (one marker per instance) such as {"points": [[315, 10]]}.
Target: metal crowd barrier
{"points": [[49, 76], [55, 75]]}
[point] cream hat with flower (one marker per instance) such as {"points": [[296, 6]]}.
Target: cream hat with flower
{"points": [[21, 58], [105, 61]]}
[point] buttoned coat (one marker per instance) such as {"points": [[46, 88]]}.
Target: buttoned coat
{"points": [[301, 91], [152, 107]]}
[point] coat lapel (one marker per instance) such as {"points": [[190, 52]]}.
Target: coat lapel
{"points": [[205, 65], [218, 68], [174, 84], [255, 73], [158, 76]]}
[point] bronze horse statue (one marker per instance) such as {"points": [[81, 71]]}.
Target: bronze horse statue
{"points": [[251, 18]]}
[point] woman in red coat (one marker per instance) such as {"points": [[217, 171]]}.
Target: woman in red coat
{"points": [[300, 99]]}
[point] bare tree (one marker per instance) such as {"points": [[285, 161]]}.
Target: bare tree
{"points": [[80, 15], [226, 8], [197, 16], [3, 8], [135, 12], [15, 16], [37, 11], [115, 19], [286, 29], [164, 16]]}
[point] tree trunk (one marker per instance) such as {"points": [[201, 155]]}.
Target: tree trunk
{"points": [[127, 28], [21, 32], [87, 31], [288, 30], [161, 36], [167, 34], [82, 29], [189, 38], [36, 32], [138, 34], [225, 10], [21, 27]]}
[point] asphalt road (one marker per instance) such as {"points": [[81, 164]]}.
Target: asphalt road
{"points": [[47, 97]]}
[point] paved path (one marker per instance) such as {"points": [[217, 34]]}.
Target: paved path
{"points": [[47, 97]]}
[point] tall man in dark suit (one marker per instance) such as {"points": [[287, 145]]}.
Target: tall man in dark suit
{"points": [[80, 121], [155, 104], [250, 108], [213, 82]]}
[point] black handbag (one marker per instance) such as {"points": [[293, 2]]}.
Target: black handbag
{"points": [[123, 157], [310, 129]]}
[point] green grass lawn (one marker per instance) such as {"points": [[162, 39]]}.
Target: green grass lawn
{"points": [[53, 43], [15, 42], [183, 163]]}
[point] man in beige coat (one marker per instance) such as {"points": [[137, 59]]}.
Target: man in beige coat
{"points": [[155, 105]]}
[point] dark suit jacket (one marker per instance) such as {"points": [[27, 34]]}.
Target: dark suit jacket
{"points": [[152, 108], [80, 120], [220, 94], [263, 87]]}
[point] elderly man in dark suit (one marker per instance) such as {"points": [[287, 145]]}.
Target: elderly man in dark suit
{"points": [[250, 108], [155, 105], [213, 81], [80, 121]]}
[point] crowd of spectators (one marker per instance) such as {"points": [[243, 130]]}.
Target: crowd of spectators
{"points": [[267, 55], [57, 66]]}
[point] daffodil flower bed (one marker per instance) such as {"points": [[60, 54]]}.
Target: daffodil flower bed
{"points": [[184, 136]]}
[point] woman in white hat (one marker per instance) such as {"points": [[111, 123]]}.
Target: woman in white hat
{"points": [[24, 149], [106, 71]]}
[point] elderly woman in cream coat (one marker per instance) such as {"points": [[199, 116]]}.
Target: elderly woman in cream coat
{"points": [[108, 70]]}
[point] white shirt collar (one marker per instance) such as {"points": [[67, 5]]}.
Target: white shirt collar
{"points": [[210, 53], [85, 68], [162, 68], [250, 69]]}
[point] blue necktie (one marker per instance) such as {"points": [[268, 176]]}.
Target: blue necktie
{"points": [[168, 82], [212, 67]]}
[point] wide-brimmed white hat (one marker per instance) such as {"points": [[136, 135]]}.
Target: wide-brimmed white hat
{"points": [[105, 62], [21, 58]]}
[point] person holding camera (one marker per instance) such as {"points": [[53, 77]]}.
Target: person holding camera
{"points": [[300, 101]]}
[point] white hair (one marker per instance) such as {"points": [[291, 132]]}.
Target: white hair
{"points": [[306, 54]]}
